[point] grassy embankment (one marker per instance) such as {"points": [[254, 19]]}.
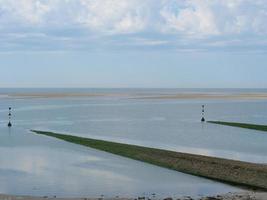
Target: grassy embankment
{"points": [[241, 125], [230, 171]]}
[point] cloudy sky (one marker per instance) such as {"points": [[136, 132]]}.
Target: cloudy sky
{"points": [[133, 43]]}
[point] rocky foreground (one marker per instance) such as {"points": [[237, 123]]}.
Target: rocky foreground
{"points": [[236, 196], [229, 196]]}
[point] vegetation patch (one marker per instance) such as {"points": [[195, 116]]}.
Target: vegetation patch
{"points": [[224, 170], [241, 125]]}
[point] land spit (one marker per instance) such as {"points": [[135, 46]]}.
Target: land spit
{"points": [[234, 172], [241, 125]]}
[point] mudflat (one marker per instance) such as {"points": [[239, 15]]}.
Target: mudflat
{"points": [[249, 96]]}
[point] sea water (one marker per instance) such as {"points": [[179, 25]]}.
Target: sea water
{"points": [[38, 165]]}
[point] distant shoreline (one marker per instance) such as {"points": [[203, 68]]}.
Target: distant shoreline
{"points": [[142, 96]]}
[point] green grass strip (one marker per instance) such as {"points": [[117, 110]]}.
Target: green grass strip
{"points": [[224, 170], [241, 125]]}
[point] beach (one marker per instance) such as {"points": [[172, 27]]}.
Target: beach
{"points": [[144, 95]]}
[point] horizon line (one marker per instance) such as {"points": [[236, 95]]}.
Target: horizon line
{"points": [[133, 87]]}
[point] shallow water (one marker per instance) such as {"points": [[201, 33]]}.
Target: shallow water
{"points": [[38, 165]]}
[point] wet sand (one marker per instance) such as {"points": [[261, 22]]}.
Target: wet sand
{"points": [[209, 96], [57, 95], [249, 96]]}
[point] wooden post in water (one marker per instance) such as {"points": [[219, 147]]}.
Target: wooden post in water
{"points": [[9, 117], [203, 114]]}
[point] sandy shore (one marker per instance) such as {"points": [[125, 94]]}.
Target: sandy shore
{"points": [[229, 196], [249, 96], [11, 197], [208, 96], [236, 196], [57, 95]]}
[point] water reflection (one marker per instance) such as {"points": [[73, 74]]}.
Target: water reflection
{"points": [[38, 165]]}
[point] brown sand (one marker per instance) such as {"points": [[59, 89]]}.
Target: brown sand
{"points": [[209, 96], [252, 96], [56, 95]]}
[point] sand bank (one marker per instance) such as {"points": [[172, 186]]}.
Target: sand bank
{"points": [[208, 96], [57, 95], [229, 171], [241, 125], [143, 96]]}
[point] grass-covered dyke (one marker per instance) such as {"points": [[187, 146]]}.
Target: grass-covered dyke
{"points": [[230, 171], [241, 125]]}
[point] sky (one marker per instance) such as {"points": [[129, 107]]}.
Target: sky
{"points": [[133, 43]]}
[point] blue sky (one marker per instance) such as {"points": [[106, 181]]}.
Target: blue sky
{"points": [[133, 43]]}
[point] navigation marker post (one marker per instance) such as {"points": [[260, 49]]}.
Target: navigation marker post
{"points": [[9, 117], [203, 113]]}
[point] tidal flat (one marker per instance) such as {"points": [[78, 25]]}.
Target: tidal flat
{"points": [[41, 166]]}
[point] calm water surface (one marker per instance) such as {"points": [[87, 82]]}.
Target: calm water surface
{"points": [[38, 165]]}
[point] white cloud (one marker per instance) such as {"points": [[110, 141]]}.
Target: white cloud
{"points": [[216, 17], [176, 22], [114, 16], [241, 16], [24, 11], [195, 18], [188, 17]]}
